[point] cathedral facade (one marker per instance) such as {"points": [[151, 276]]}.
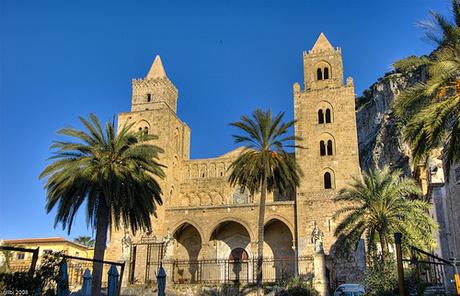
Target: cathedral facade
{"points": [[205, 226]]}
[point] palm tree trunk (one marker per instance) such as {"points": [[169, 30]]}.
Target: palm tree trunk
{"points": [[102, 225], [384, 246], [260, 237]]}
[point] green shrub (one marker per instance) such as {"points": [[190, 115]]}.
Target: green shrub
{"points": [[294, 287], [381, 279]]}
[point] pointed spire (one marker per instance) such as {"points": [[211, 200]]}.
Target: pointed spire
{"points": [[322, 44], [156, 70]]}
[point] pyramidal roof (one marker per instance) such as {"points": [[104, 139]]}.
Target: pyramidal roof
{"points": [[156, 70], [322, 44]]}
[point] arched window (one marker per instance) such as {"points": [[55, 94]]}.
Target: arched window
{"points": [[319, 74], [320, 116], [238, 255], [326, 73], [328, 115], [240, 197], [322, 148], [329, 147], [149, 97], [327, 180]]}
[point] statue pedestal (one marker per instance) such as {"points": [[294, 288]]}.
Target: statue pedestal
{"points": [[320, 280]]}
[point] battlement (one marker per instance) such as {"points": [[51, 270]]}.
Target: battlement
{"points": [[337, 50]]}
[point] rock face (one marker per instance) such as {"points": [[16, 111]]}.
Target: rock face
{"points": [[379, 137]]}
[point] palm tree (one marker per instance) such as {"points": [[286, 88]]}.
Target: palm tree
{"points": [[429, 111], [264, 165], [84, 240], [113, 173], [378, 206]]}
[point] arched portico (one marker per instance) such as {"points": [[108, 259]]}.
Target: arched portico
{"points": [[231, 248], [278, 249], [228, 235], [186, 252]]}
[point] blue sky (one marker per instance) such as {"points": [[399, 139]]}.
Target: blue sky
{"points": [[63, 59]]}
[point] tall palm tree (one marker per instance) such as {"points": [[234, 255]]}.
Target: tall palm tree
{"points": [[84, 240], [113, 173], [378, 206], [430, 110], [264, 165]]}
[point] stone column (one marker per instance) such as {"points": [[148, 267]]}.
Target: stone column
{"points": [[320, 280]]}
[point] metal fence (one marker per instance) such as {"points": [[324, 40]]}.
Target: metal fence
{"points": [[76, 269], [76, 266], [221, 271], [423, 270]]}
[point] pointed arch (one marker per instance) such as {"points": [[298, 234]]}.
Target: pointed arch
{"points": [[183, 223], [328, 177], [273, 218], [219, 223]]}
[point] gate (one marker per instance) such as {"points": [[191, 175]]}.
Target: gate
{"points": [[435, 275], [145, 260]]}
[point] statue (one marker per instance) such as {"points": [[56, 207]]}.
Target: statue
{"points": [[169, 244], [126, 246], [317, 237]]}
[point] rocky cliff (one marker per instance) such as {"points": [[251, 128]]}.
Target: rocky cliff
{"points": [[380, 140]]}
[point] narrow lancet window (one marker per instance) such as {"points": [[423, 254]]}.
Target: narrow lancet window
{"points": [[322, 148], [328, 115], [320, 116], [326, 73], [327, 180], [329, 147], [319, 74]]}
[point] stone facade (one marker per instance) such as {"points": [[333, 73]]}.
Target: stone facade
{"points": [[205, 218]]}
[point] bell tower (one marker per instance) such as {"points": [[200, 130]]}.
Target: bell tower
{"points": [[326, 122], [155, 91], [323, 65]]}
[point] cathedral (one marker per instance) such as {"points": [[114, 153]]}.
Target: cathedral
{"points": [[206, 230]]}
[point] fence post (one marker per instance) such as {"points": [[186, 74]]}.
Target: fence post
{"points": [[86, 287], [113, 281], [34, 262], [38, 289], [161, 281], [121, 278], [402, 288], [63, 281]]}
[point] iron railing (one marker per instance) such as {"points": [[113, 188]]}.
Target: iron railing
{"points": [[220, 271]]}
